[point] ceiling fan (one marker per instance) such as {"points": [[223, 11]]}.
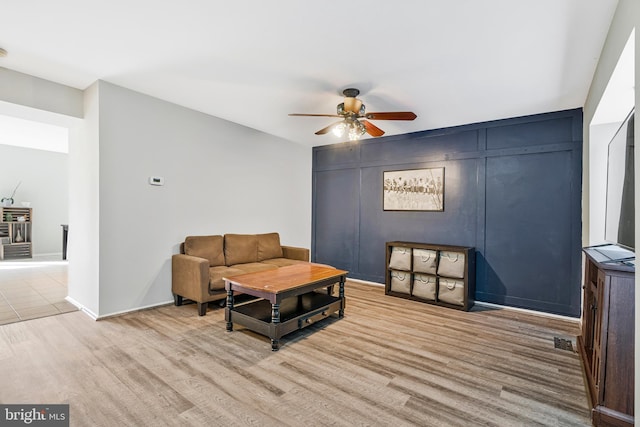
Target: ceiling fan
{"points": [[352, 112]]}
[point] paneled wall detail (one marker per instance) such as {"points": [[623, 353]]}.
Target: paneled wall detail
{"points": [[512, 191]]}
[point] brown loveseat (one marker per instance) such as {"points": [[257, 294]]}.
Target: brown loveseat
{"points": [[203, 261]]}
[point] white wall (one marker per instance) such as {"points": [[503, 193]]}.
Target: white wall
{"points": [[626, 18], [29, 91], [219, 178], [44, 183], [600, 136], [31, 98], [84, 207]]}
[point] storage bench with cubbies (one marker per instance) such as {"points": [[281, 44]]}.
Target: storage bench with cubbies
{"points": [[436, 274], [15, 232]]}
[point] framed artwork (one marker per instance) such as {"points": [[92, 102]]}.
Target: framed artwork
{"points": [[413, 190]]}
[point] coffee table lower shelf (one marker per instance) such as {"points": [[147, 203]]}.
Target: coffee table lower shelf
{"points": [[295, 313]]}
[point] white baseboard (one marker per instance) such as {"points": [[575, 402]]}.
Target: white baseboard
{"points": [[365, 282], [491, 305], [527, 311], [146, 307], [94, 316], [82, 308], [47, 255]]}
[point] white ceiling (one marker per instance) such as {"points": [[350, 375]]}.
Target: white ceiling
{"points": [[30, 134], [252, 62]]}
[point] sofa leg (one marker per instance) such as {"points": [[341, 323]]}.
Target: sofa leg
{"points": [[222, 303], [202, 308], [177, 300]]}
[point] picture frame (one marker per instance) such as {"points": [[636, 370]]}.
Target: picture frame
{"points": [[413, 190]]}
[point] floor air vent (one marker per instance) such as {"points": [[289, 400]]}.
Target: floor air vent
{"points": [[562, 344]]}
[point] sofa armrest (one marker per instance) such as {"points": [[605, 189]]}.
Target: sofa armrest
{"points": [[190, 277], [291, 252]]}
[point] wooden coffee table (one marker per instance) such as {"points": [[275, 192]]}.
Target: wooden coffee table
{"points": [[288, 299]]}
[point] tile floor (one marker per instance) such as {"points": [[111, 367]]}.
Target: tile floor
{"points": [[33, 288]]}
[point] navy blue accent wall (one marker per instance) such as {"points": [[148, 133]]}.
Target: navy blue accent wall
{"points": [[512, 191]]}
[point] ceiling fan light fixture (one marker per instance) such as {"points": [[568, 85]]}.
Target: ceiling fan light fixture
{"points": [[351, 128], [350, 111], [339, 129], [356, 130], [352, 105]]}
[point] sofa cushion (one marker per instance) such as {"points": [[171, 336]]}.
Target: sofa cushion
{"points": [[283, 262], [252, 267], [208, 247], [269, 246], [240, 248], [217, 273]]}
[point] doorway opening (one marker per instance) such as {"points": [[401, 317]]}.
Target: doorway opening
{"points": [[34, 176]]}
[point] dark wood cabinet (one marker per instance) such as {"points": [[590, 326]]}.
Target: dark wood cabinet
{"points": [[436, 274], [607, 342]]}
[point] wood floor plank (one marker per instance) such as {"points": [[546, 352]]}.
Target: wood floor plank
{"points": [[389, 361]]}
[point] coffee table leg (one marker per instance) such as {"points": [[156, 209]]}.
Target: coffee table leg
{"points": [[229, 308], [341, 295], [275, 319]]}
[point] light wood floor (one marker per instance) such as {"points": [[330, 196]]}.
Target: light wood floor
{"points": [[388, 362]]}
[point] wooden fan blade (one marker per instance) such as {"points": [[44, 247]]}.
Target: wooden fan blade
{"points": [[328, 128], [313, 115], [399, 115], [372, 129]]}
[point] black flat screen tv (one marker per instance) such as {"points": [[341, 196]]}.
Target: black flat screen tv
{"points": [[620, 210]]}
